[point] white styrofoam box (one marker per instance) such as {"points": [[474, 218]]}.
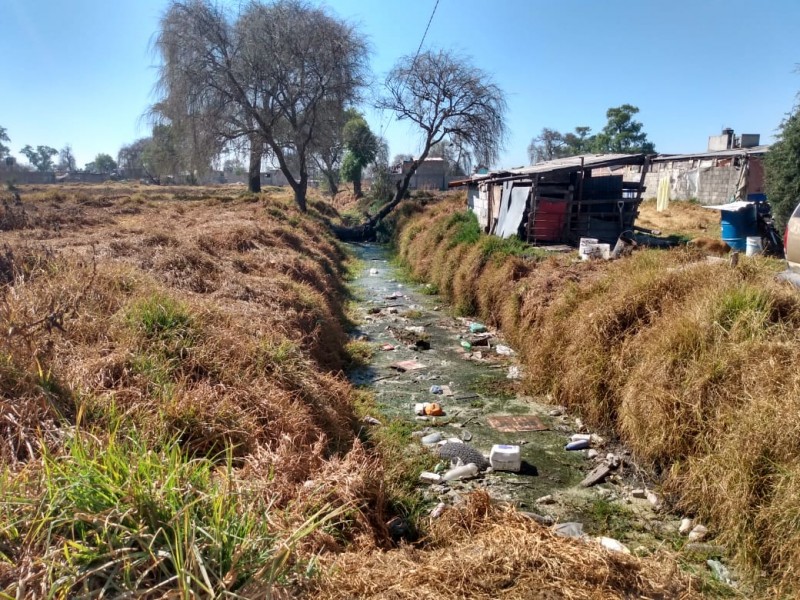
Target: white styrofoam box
{"points": [[505, 457]]}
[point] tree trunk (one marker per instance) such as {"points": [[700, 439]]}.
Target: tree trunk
{"points": [[254, 171], [357, 186], [333, 187]]}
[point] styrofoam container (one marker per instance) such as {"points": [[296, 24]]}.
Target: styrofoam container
{"points": [[505, 457], [584, 245]]}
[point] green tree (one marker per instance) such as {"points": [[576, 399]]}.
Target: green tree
{"points": [[623, 135], [103, 163], [782, 169], [362, 146], [579, 142], [4, 150], [41, 158]]}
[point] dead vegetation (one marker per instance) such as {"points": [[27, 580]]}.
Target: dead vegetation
{"points": [[692, 364], [484, 551], [196, 341]]}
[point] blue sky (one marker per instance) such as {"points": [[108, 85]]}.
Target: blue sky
{"points": [[81, 72]]}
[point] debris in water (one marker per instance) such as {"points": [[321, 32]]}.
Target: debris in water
{"points": [[407, 365], [516, 423], [569, 530], [465, 452], [373, 271]]}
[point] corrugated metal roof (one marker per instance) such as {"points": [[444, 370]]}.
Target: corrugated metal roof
{"points": [[757, 150], [571, 163]]}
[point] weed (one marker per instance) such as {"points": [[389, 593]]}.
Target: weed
{"points": [[466, 229], [359, 353]]}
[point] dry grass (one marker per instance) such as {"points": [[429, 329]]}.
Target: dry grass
{"points": [[197, 322], [692, 364], [683, 218], [485, 551]]}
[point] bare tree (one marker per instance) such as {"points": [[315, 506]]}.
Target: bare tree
{"points": [[449, 99], [268, 73], [549, 144], [66, 159]]}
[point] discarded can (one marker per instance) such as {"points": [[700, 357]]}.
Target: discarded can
{"points": [[577, 445]]}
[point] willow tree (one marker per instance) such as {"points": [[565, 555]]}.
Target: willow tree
{"points": [[269, 73], [449, 100]]}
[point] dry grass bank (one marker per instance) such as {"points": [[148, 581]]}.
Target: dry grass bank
{"points": [[172, 413], [693, 365]]}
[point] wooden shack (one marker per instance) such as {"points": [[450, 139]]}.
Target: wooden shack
{"points": [[559, 201]]}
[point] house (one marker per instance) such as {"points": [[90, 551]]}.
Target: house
{"points": [[560, 201], [431, 174], [731, 168]]}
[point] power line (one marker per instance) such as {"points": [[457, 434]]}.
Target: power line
{"points": [[416, 55]]}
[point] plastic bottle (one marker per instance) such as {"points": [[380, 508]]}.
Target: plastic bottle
{"points": [[462, 472]]}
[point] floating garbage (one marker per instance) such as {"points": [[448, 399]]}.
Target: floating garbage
{"points": [[505, 457], [432, 438], [569, 529], [373, 271], [578, 445], [428, 477], [462, 472]]}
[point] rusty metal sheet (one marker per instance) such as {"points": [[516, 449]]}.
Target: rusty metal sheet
{"points": [[516, 423], [407, 365]]}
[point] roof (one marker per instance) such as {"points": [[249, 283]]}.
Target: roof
{"points": [[571, 163], [755, 150]]}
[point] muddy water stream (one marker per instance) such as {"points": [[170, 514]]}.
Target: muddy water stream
{"points": [[395, 313]]}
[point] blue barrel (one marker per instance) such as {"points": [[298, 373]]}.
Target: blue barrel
{"points": [[737, 225]]}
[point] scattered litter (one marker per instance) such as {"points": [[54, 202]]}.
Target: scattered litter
{"points": [[545, 520], [580, 436], [579, 445], [613, 460], [569, 529], [373, 271], [466, 345], [387, 347], [514, 373], [503, 350], [505, 457], [686, 526], [639, 493], [475, 327], [515, 423], [436, 389], [462, 472], [652, 498], [698, 533], [432, 439], [371, 420], [545, 500], [466, 435], [433, 410], [480, 339], [437, 512], [720, 571], [597, 475], [407, 365], [428, 477], [592, 454], [415, 328], [557, 412], [614, 545], [463, 452]]}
